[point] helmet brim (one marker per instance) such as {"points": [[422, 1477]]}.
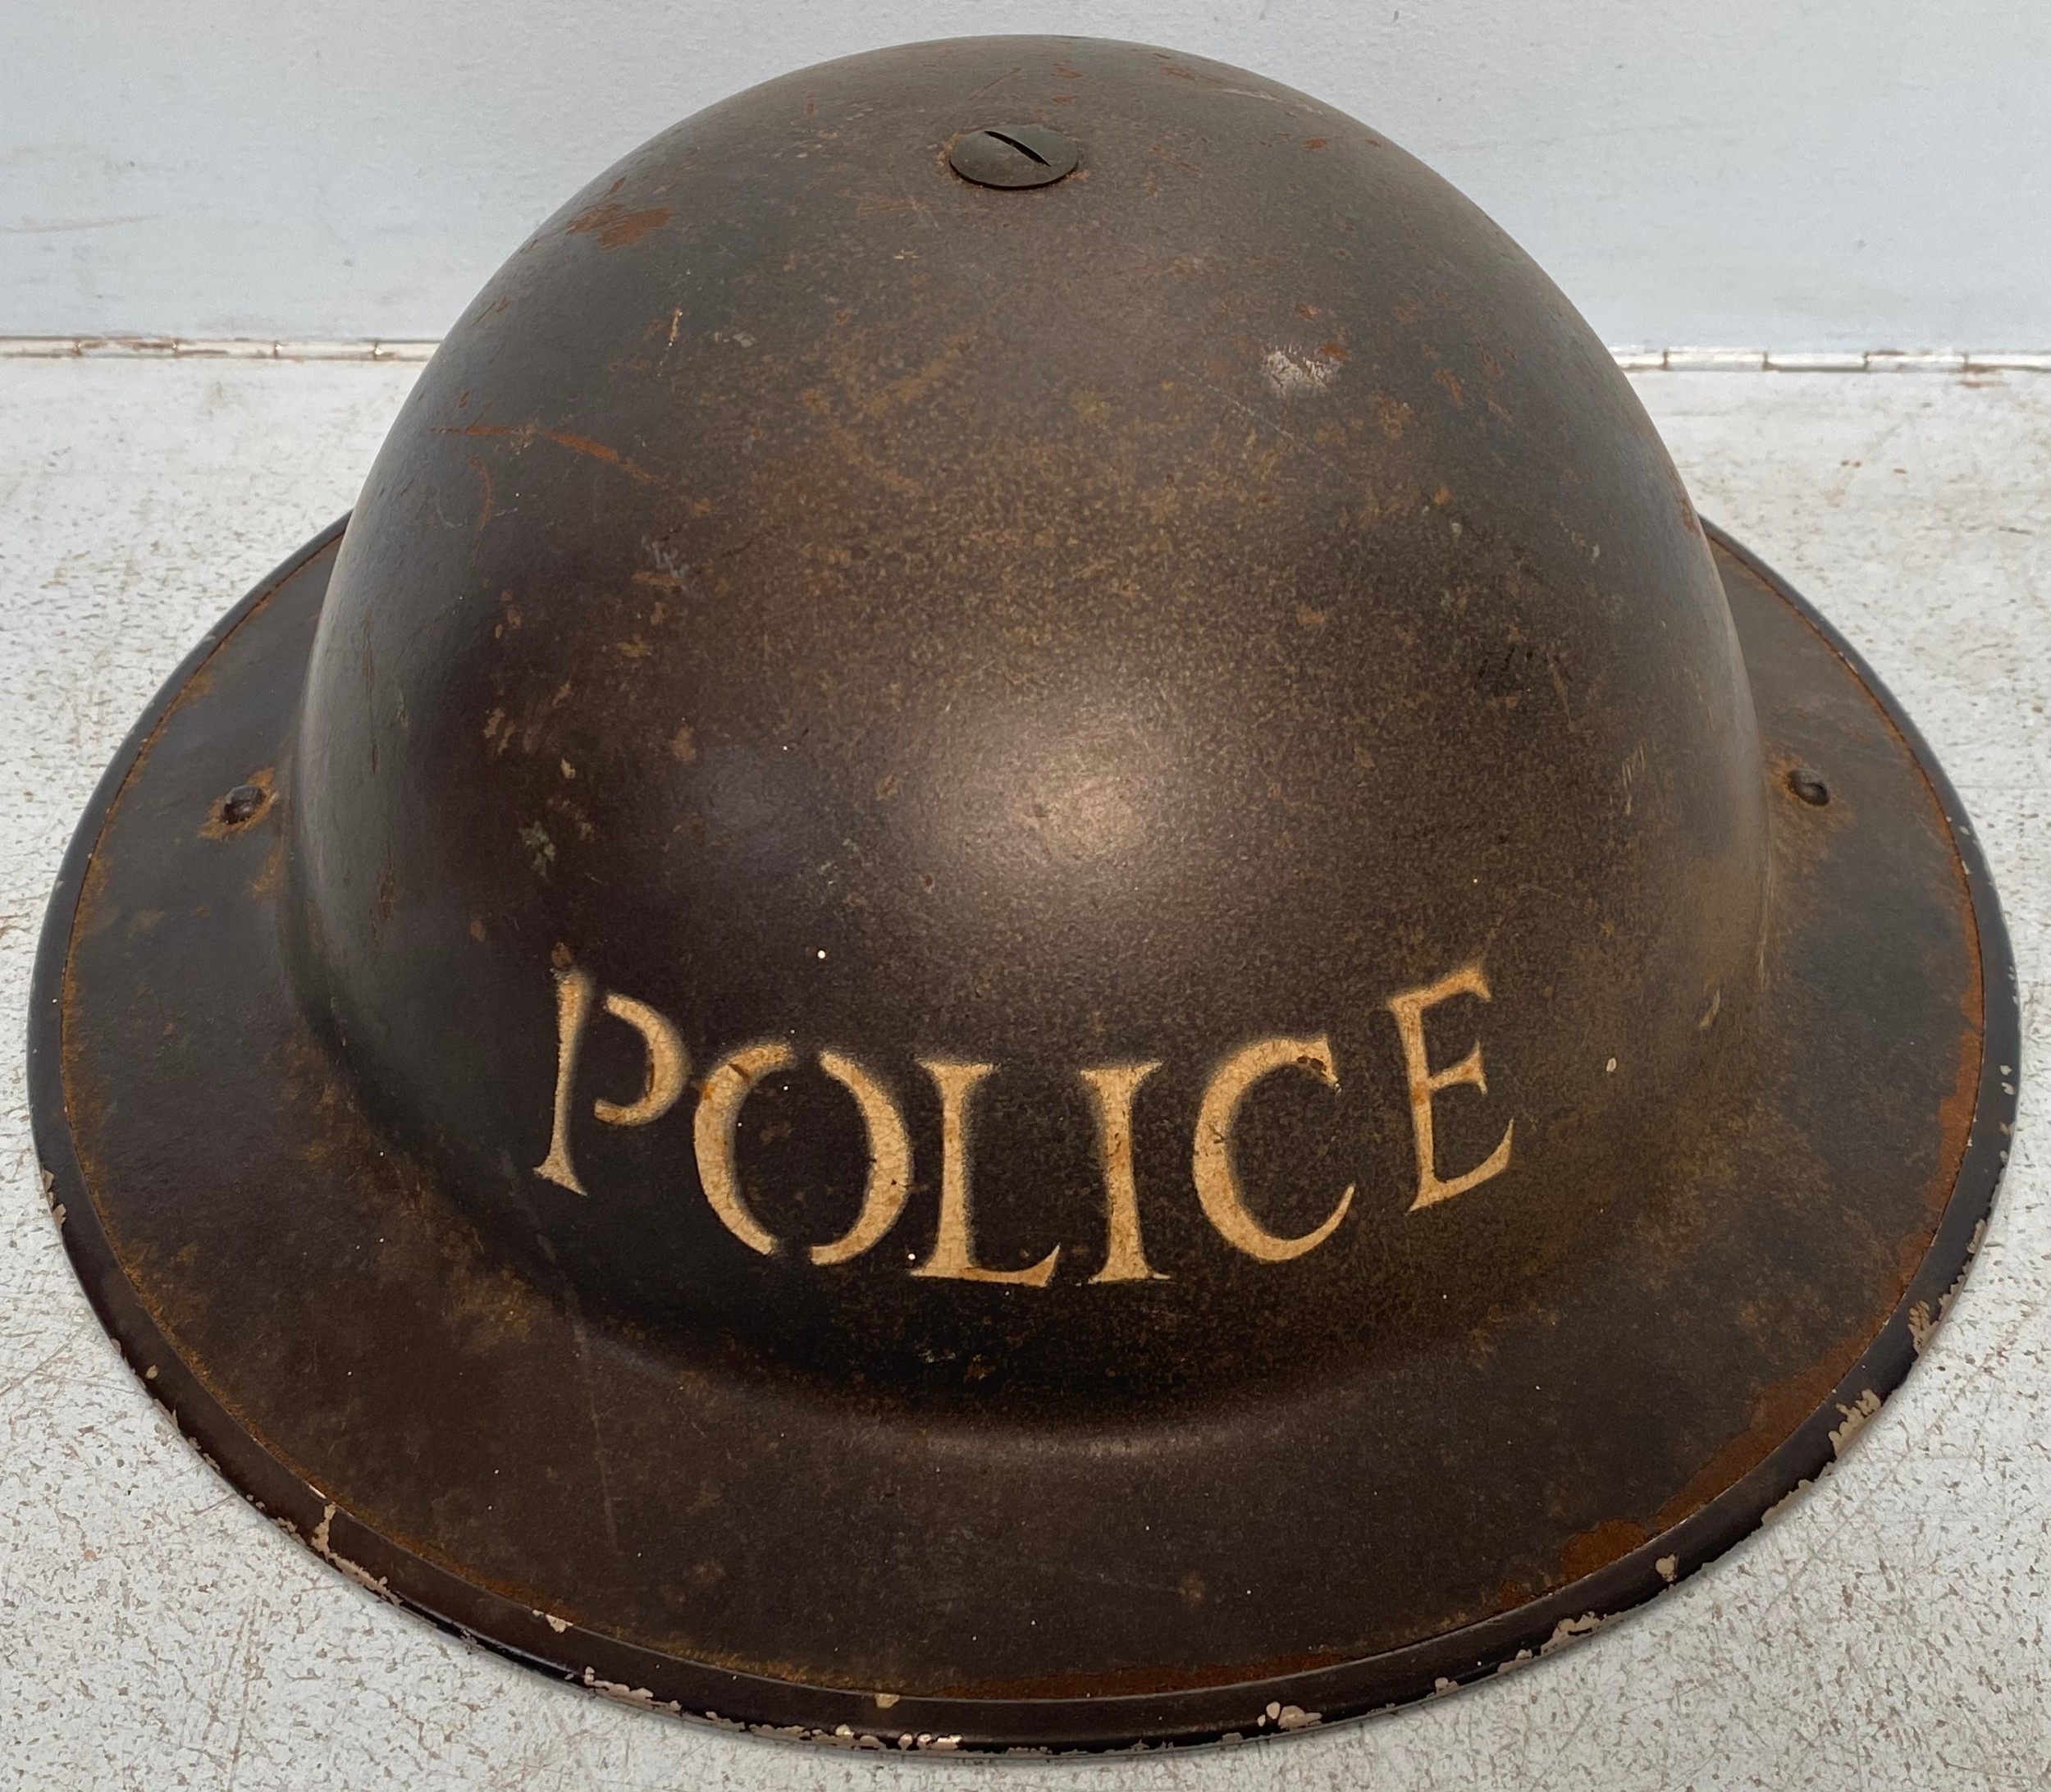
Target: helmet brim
{"points": [[325, 1327]]}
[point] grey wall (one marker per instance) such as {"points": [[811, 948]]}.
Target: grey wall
{"points": [[1804, 174]]}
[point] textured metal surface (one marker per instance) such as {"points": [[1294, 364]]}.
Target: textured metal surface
{"points": [[1672, 1350]]}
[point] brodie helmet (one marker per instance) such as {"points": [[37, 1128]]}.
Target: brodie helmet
{"points": [[1022, 947]]}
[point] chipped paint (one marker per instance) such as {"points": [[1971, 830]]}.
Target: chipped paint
{"points": [[614, 226], [627, 1695], [318, 1541], [1298, 373], [1571, 1631], [1776, 1511], [1856, 1417]]}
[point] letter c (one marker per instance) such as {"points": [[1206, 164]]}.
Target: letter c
{"points": [[1217, 1182]]}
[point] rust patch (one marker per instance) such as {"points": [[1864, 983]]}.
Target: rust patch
{"points": [[1392, 414], [484, 495], [524, 434], [912, 387], [266, 883], [1955, 1115], [1161, 153], [850, 445], [1955, 1112], [615, 227], [218, 827], [1778, 1410], [1597, 1547], [96, 911]]}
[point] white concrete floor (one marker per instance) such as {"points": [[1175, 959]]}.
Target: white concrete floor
{"points": [[1890, 1630]]}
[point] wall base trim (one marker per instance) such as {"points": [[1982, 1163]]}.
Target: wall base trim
{"points": [[1632, 361]]}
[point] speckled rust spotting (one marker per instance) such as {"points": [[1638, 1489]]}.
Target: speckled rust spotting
{"points": [[1025, 965]]}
